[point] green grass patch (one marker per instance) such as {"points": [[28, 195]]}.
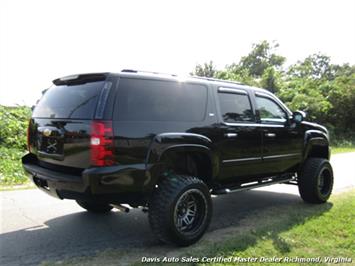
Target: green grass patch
{"points": [[313, 231], [343, 149]]}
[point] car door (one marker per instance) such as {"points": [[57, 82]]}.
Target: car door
{"points": [[282, 142], [239, 140]]}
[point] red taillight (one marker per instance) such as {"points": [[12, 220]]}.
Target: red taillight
{"points": [[101, 143], [28, 136]]}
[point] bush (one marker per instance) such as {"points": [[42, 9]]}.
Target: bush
{"points": [[13, 126], [11, 171]]}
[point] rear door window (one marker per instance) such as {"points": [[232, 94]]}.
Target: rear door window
{"points": [[156, 100], [69, 101], [235, 107]]}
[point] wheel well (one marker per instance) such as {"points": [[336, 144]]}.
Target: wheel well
{"points": [[319, 152], [196, 164]]}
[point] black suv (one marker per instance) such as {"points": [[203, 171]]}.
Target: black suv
{"points": [[165, 144]]}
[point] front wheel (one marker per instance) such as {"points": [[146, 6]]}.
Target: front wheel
{"points": [[180, 210], [315, 182]]}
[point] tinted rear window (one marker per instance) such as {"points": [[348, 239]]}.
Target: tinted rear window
{"points": [[76, 101], [235, 107], [152, 100]]}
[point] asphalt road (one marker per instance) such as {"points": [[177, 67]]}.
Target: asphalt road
{"points": [[36, 227]]}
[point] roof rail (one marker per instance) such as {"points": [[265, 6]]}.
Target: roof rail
{"points": [[149, 72], [175, 75], [219, 80]]}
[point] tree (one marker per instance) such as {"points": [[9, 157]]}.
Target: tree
{"points": [[271, 80], [315, 66], [240, 76], [261, 57], [342, 98], [261, 67], [205, 70], [324, 90]]}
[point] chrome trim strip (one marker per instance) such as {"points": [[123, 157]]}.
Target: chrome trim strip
{"points": [[184, 134], [282, 156], [238, 91], [242, 160], [252, 124], [260, 158]]}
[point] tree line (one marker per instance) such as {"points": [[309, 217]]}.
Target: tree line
{"points": [[325, 91]]}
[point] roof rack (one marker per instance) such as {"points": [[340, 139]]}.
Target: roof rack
{"points": [[175, 75], [218, 80], [148, 72]]}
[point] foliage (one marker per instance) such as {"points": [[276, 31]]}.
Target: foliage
{"points": [[11, 171], [241, 76], [13, 125], [324, 90], [205, 70], [260, 58]]}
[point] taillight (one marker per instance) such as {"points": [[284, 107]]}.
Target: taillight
{"points": [[28, 136], [101, 143]]}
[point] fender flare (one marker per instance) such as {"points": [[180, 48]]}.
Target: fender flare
{"points": [[315, 138], [164, 143]]}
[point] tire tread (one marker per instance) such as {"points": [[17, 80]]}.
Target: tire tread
{"points": [[160, 204], [307, 182]]}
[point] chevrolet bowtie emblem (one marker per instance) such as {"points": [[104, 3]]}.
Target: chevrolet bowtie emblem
{"points": [[47, 132]]}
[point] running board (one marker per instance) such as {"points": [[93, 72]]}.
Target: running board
{"points": [[251, 185]]}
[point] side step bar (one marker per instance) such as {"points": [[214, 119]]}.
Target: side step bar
{"points": [[255, 184]]}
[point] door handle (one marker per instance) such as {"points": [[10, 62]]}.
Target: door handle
{"points": [[231, 135], [270, 135]]}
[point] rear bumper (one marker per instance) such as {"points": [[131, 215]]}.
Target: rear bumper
{"points": [[114, 184]]}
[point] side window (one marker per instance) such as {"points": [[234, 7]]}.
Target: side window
{"points": [[157, 100], [235, 107], [270, 111]]}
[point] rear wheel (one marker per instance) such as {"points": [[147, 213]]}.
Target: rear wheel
{"points": [[180, 210], [315, 182], [95, 207]]}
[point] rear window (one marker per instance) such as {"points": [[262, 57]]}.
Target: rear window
{"points": [[73, 101], [152, 100]]}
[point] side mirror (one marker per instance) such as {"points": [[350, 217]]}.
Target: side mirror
{"points": [[298, 116]]}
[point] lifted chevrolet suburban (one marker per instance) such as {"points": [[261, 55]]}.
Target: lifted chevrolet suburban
{"points": [[166, 144]]}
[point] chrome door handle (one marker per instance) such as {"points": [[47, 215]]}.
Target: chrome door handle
{"points": [[231, 135], [270, 135]]}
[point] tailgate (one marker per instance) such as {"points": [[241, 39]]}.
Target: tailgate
{"points": [[61, 141]]}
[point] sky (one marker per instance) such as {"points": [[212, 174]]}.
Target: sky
{"points": [[41, 40]]}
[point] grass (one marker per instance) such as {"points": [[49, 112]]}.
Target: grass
{"points": [[327, 234], [301, 230], [343, 149]]}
